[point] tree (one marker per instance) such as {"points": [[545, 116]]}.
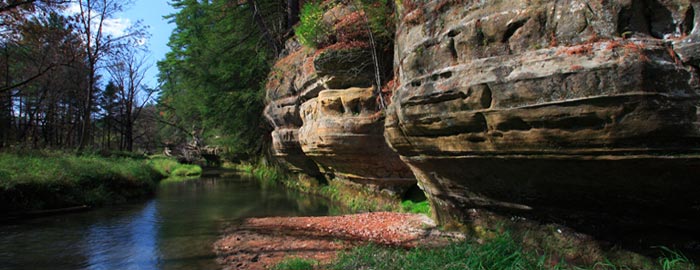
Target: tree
{"points": [[211, 81], [91, 19], [36, 62], [127, 69], [13, 15], [13, 5]]}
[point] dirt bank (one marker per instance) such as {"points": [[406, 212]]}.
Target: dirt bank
{"points": [[259, 243]]}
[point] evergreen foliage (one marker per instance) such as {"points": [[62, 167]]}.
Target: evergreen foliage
{"points": [[212, 80]]}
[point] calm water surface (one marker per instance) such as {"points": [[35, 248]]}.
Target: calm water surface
{"points": [[175, 230]]}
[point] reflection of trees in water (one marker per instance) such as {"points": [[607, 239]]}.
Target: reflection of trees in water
{"points": [[174, 231]]}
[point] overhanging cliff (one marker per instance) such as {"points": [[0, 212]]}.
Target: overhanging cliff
{"points": [[580, 112]]}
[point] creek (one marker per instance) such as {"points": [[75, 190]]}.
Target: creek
{"points": [[173, 230]]}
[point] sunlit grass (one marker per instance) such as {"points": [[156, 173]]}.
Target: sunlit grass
{"points": [[43, 180], [170, 167]]}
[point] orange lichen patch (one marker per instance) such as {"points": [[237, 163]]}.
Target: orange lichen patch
{"points": [[673, 55], [351, 27], [414, 17], [290, 60], [390, 86], [410, 5], [553, 42], [285, 67], [348, 45], [627, 45], [388, 91], [308, 66], [577, 50], [613, 45], [581, 49], [576, 68], [632, 47]]}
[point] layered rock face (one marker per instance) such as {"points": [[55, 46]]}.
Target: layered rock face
{"points": [[343, 133], [326, 115], [566, 110]]}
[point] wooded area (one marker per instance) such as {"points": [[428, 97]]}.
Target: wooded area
{"points": [[67, 84]]}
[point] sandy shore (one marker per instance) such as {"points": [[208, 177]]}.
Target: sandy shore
{"points": [[259, 243]]}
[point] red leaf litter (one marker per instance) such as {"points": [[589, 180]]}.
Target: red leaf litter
{"points": [[260, 243]]}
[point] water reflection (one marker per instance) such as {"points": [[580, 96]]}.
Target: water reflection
{"points": [[173, 231], [127, 243]]}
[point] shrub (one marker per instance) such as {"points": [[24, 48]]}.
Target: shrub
{"points": [[312, 30]]}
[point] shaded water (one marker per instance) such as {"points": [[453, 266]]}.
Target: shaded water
{"points": [[175, 230]]}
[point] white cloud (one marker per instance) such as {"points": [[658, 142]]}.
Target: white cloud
{"points": [[113, 26], [73, 9]]}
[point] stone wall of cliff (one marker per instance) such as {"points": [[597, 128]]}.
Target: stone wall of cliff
{"points": [[326, 114], [574, 111]]}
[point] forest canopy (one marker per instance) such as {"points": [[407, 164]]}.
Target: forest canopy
{"points": [[67, 84], [212, 80]]}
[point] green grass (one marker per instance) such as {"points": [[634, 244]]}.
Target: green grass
{"points": [[416, 207], [48, 180], [501, 252], [168, 167], [672, 260], [295, 263], [354, 199]]}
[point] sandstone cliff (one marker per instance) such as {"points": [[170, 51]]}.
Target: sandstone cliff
{"points": [[573, 110], [582, 112], [326, 114]]}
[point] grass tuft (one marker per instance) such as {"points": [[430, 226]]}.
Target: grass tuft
{"points": [[295, 263], [673, 260], [168, 167], [409, 206]]}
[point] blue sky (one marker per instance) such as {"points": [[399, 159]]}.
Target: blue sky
{"points": [[151, 12]]}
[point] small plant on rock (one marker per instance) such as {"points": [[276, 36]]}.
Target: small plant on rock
{"points": [[312, 31]]}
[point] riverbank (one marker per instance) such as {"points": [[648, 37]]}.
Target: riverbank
{"points": [[261, 243], [507, 242], [385, 240], [356, 198], [56, 180]]}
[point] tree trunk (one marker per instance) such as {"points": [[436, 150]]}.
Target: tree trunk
{"points": [[129, 135], [87, 113], [6, 105]]}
